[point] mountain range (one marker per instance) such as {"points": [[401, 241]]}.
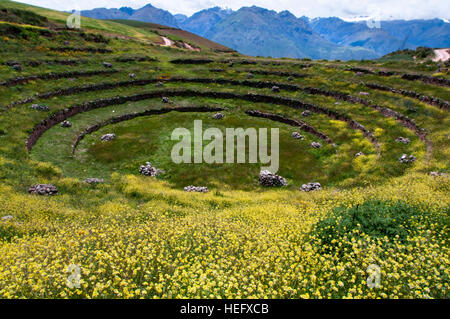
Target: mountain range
{"points": [[261, 32]]}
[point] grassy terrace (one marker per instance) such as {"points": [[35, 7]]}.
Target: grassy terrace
{"points": [[136, 236]]}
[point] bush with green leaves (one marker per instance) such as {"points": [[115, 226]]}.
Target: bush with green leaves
{"points": [[377, 219]]}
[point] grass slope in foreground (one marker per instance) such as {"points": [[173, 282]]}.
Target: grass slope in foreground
{"points": [[142, 237]]}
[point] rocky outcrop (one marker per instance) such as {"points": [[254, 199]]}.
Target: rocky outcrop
{"points": [[94, 181], [40, 107], [197, 189], [108, 137], [403, 140], [407, 159], [149, 170], [438, 174], [66, 124], [43, 189], [268, 179], [311, 187]]}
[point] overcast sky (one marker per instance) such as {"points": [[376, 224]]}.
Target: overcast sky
{"points": [[382, 9]]}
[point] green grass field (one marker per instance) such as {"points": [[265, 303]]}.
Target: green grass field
{"points": [[136, 236]]}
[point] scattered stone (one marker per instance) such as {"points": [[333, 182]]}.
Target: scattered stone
{"points": [[306, 113], [132, 75], [66, 124], [359, 154], [231, 64], [165, 99], [249, 76], [275, 89], [198, 189], [94, 180], [406, 159], [107, 65], [291, 78], [359, 73], [159, 84], [337, 103], [218, 116], [363, 93], [297, 135], [66, 43], [268, 179], [17, 67], [108, 137], [438, 174], [149, 170], [7, 218], [316, 145], [43, 189], [311, 187], [403, 140], [40, 107]]}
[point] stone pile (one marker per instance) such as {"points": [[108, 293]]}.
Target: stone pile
{"points": [[218, 116], [149, 170], [306, 113], [406, 159], [198, 189], [43, 189], [40, 107], [275, 89], [66, 124], [94, 180], [403, 140], [438, 174], [311, 187], [297, 135], [108, 137], [165, 99], [268, 179], [316, 145]]}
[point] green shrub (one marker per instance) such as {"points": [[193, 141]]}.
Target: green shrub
{"points": [[375, 218]]}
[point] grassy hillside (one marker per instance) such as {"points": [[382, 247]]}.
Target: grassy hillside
{"points": [[135, 236]]}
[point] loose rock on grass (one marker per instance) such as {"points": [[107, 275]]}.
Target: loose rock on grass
{"points": [[407, 159], [108, 137], [66, 124], [311, 187], [43, 189], [198, 189], [268, 179], [149, 170]]}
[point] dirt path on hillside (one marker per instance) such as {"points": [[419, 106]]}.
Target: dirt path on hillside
{"points": [[441, 55]]}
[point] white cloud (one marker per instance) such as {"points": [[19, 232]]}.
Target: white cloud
{"points": [[382, 9]]}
